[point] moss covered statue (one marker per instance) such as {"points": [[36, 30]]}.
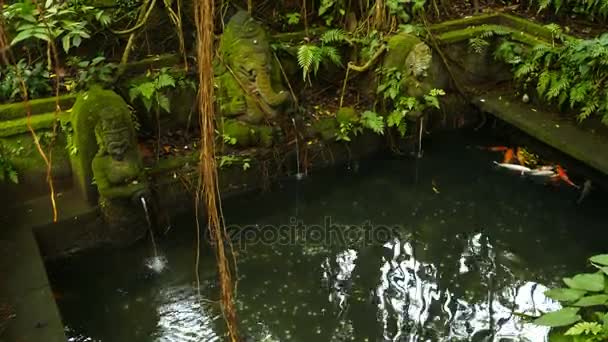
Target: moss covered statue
{"points": [[248, 78], [107, 167]]}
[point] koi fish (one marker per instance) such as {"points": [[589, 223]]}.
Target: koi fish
{"points": [[561, 173], [496, 148], [513, 167], [509, 155], [521, 158], [542, 173], [587, 186]]}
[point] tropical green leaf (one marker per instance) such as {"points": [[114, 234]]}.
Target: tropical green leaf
{"points": [[565, 294], [147, 89], [165, 80], [601, 259], [560, 318], [163, 102], [592, 300], [586, 281], [65, 41]]}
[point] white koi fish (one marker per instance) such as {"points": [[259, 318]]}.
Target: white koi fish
{"points": [[512, 167], [542, 173]]}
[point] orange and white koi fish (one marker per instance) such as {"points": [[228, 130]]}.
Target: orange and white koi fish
{"points": [[509, 156], [561, 173]]}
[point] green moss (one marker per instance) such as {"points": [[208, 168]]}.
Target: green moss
{"points": [[247, 135], [265, 136], [156, 62], [529, 27], [18, 126], [326, 127], [346, 115], [399, 46], [39, 106], [458, 24], [27, 161], [474, 31]]}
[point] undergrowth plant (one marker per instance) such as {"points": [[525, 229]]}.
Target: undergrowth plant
{"points": [[153, 92], [368, 120], [590, 8], [36, 78], [391, 91], [67, 21], [311, 55], [87, 73], [7, 170], [573, 73], [233, 159], [584, 300]]}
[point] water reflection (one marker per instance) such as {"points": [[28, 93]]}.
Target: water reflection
{"points": [[184, 318], [413, 306]]}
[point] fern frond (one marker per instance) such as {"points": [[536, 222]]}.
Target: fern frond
{"points": [[524, 70], [578, 93], [584, 328], [587, 110], [333, 36], [543, 4], [544, 80], [332, 54], [558, 85], [478, 45], [308, 56]]}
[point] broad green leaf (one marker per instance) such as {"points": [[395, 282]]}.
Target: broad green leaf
{"points": [[592, 300], [76, 41], [65, 41], [165, 80], [402, 128], [134, 93], [12, 175], [565, 294], [394, 118], [586, 281], [163, 102], [23, 35], [147, 89], [601, 259], [147, 103], [560, 318]]}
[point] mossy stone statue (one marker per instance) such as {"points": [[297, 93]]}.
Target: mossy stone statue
{"points": [[248, 77], [108, 160]]}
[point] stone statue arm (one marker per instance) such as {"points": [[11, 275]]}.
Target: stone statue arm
{"points": [[109, 190]]}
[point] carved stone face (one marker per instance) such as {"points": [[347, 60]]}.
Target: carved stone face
{"points": [[116, 136]]}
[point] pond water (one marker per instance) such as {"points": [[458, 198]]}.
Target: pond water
{"points": [[445, 248]]}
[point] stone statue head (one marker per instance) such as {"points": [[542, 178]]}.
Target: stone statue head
{"points": [[114, 135]]}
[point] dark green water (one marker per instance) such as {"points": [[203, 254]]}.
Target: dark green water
{"points": [[445, 248]]}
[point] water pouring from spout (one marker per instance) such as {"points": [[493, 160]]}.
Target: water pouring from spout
{"points": [[157, 263], [299, 174]]}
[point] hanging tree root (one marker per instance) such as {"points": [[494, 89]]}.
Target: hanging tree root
{"points": [[208, 188], [351, 66], [7, 58]]}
